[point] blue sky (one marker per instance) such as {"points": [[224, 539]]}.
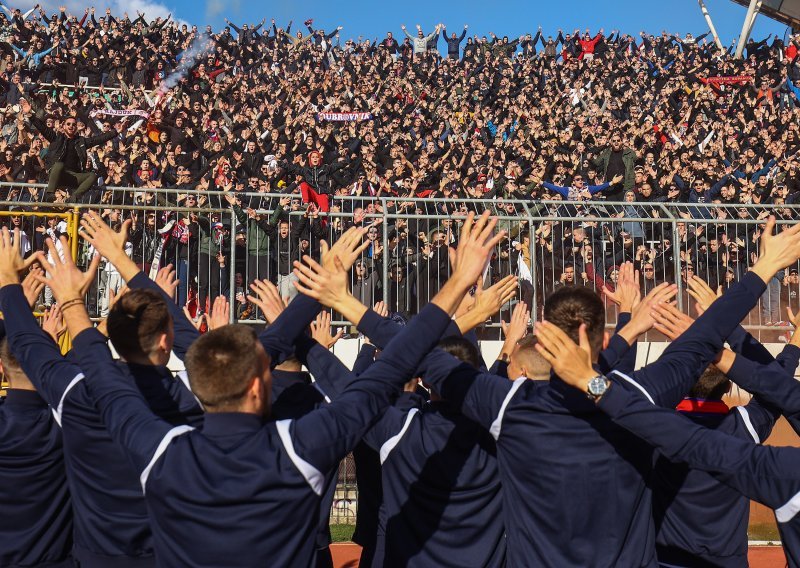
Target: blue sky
{"points": [[513, 18]]}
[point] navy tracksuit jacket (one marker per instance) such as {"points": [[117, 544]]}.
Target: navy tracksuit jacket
{"points": [[691, 508], [294, 396], [574, 483], [36, 518], [766, 474], [441, 489], [111, 524], [440, 468], [241, 492]]}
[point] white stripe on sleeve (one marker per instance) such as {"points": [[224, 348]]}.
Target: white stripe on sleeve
{"points": [[390, 444], [162, 447], [626, 378], [312, 475], [57, 411], [747, 423], [496, 426]]}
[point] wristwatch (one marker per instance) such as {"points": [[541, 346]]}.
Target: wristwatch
{"points": [[597, 387]]}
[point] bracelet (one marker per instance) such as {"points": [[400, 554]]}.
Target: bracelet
{"points": [[69, 303]]}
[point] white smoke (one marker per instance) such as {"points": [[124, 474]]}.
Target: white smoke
{"points": [[195, 52]]}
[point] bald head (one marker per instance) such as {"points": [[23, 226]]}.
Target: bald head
{"points": [[526, 361]]}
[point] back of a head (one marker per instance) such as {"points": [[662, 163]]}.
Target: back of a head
{"points": [[16, 377], [136, 323], [527, 357], [569, 307], [462, 349], [221, 365], [712, 385]]}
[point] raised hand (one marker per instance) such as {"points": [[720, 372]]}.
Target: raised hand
{"points": [[702, 293], [642, 315], [68, 283], [381, 309], [348, 248], [321, 330], [31, 286], [517, 327], [627, 294], [328, 286], [777, 251], [167, 281], [487, 303], [104, 239], [220, 315], [11, 261], [572, 363], [267, 299], [475, 245], [113, 296], [53, 323], [670, 321]]}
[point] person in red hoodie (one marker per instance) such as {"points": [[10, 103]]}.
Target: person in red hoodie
{"points": [[316, 184]]}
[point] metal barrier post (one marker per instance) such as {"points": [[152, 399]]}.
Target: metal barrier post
{"points": [[73, 225], [232, 269], [385, 239], [676, 257], [533, 309]]}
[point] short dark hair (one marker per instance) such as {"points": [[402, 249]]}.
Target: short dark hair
{"points": [[12, 370], [462, 349], [569, 307], [137, 321], [712, 385], [221, 365]]}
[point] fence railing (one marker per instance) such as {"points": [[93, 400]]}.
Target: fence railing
{"points": [[219, 242]]}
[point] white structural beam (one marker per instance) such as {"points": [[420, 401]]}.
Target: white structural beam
{"points": [[747, 26], [710, 23]]}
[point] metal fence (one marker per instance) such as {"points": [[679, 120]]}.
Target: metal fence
{"points": [[220, 241]]}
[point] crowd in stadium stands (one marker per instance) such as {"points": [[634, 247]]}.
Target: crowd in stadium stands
{"points": [[93, 103]]}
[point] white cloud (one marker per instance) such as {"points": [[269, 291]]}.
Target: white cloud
{"points": [[150, 8]]}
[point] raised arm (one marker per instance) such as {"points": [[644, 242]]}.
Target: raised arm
{"points": [[765, 474], [125, 413], [111, 244], [346, 419], [752, 469]]}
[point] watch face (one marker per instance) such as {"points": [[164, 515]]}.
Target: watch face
{"points": [[598, 385]]}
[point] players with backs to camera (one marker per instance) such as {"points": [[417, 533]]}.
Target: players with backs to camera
{"points": [[232, 462]]}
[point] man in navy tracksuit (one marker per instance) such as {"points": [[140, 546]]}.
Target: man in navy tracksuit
{"points": [[574, 485], [258, 484], [690, 505], [438, 468], [294, 395], [36, 522], [766, 474], [111, 524]]}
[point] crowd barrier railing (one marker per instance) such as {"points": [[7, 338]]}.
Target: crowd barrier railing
{"points": [[218, 249]]}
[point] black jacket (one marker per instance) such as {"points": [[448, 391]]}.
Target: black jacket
{"points": [[58, 143], [318, 177]]}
